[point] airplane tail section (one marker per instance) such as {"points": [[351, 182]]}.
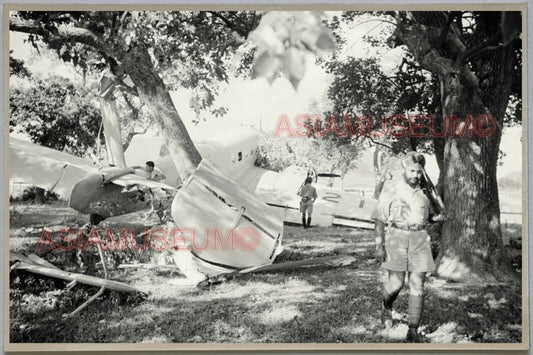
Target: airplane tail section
{"points": [[225, 227], [111, 123]]}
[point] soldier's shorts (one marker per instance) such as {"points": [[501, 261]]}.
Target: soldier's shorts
{"points": [[408, 251], [306, 207]]}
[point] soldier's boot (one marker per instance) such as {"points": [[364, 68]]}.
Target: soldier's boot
{"points": [[413, 336], [416, 305], [303, 221], [386, 307], [308, 222]]}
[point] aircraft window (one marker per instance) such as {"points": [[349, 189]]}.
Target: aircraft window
{"points": [[240, 156]]}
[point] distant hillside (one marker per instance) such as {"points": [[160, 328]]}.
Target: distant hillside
{"points": [[511, 181]]}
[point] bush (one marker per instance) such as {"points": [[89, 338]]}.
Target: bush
{"points": [[31, 194]]}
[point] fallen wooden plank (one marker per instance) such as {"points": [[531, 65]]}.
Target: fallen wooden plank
{"points": [[149, 266], [333, 260], [27, 264], [38, 260]]}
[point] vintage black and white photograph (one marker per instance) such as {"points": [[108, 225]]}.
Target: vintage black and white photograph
{"points": [[253, 175]]}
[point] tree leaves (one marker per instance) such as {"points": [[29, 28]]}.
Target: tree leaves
{"points": [[190, 49], [267, 66], [325, 41], [17, 67], [294, 65], [284, 39], [278, 153], [56, 114]]}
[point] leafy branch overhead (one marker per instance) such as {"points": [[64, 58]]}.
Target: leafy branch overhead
{"points": [[188, 49], [284, 39]]}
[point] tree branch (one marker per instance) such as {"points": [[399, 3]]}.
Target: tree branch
{"points": [[510, 27], [375, 20], [134, 110], [128, 89], [130, 136], [378, 143], [63, 34], [421, 37], [480, 48], [230, 25], [446, 27]]}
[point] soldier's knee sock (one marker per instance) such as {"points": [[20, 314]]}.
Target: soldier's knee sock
{"points": [[416, 305], [389, 298], [308, 221], [303, 220]]}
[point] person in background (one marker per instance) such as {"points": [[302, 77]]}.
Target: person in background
{"points": [[150, 171], [153, 173], [308, 194]]}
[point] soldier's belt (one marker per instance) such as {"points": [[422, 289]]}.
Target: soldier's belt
{"points": [[408, 227]]}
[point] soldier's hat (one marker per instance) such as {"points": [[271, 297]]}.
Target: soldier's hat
{"points": [[413, 159]]}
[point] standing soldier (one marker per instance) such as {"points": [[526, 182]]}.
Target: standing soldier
{"points": [[308, 194], [405, 208]]}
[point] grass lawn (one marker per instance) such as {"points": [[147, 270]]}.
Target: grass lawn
{"points": [[316, 304]]}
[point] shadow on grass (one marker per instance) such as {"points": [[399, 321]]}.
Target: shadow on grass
{"points": [[306, 305]]}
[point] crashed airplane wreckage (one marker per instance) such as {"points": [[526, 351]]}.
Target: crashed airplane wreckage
{"points": [[235, 151], [210, 198]]}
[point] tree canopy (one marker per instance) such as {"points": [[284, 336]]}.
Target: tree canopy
{"points": [[162, 51], [55, 113]]}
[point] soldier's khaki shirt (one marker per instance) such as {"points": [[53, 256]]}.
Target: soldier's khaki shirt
{"points": [[309, 191], [402, 204]]}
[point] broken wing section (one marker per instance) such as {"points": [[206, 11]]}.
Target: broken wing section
{"points": [[117, 191], [45, 167]]}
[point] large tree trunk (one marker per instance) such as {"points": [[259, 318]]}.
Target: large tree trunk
{"points": [[438, 146], [471, 244], [471, 240], [153, 92]]}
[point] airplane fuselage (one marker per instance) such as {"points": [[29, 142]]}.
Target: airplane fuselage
{"points": [[235, 153]]}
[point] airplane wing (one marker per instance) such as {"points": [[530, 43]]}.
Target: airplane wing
{"points": [[135, 179], [89, 190], [116, 191], [47, 168]]}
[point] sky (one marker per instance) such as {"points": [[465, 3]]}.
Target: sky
{"points": [[260, 104]]}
